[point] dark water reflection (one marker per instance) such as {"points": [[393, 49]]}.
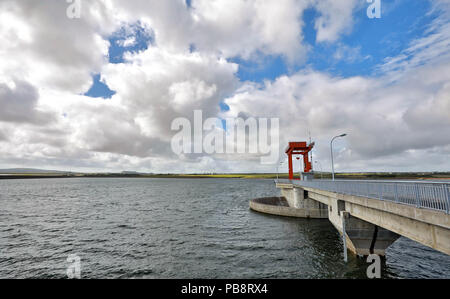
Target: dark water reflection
{"points": [[176, 228]]}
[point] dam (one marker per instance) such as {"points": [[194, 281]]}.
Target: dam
{"points": [[369, 214]]}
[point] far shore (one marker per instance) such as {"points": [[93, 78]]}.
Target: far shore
{"points": [[317, 175]]}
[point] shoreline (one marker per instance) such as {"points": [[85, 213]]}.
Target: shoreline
{"points": [[358, 176]]}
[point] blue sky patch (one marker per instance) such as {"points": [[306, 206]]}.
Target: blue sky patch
{"points": [[133, 39], [309, 32], [224, 106], [99, 89]]}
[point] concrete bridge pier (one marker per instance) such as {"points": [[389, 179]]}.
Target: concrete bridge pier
{"points": [[364, 238], [297, 198]]}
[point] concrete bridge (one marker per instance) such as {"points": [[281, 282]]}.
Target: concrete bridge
{"points": [[371, 214]]}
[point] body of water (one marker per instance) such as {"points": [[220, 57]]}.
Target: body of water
{"points": [[176, 228]]}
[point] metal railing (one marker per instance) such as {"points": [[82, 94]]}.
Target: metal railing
{"points": [[428, 195]]}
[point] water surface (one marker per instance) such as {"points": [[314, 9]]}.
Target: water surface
{"points": [[176, 228]]}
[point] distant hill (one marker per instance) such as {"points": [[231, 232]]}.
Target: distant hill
{"points": [[29, 170]]}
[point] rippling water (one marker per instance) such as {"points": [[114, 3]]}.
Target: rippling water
{"points": [[176, 228]]}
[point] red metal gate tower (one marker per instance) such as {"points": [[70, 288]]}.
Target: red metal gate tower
{"points": [[299, 148]]}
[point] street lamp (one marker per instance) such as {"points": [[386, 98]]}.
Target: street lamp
{"points": [[331, 147], [278, 165]]}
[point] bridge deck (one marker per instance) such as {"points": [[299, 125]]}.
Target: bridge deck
{"points": [[427, 195]]}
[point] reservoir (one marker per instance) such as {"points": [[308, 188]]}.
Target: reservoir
{"points": [[177, 228]]}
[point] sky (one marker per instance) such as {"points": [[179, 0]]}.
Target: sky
{"points": [[99, 91]]}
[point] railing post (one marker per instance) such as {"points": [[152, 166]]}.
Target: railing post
{"points": [[396, 192], [447, 193], [416, 191], [380, 191], [435, 204]]}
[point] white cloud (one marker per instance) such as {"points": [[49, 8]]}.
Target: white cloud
{"points": [[336, 18], [382, 119], [48, 49], [44, 121], [19, 104], [128, 42], [158, 86], [349, 54], [246, 28]]}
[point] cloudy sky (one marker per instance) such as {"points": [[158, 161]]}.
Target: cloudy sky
{"points": [[99, 92]]}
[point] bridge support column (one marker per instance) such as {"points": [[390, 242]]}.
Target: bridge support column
{"points": [[364, 238], [296, 199]]}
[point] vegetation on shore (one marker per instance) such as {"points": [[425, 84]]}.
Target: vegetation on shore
{"points": [[317, 175]]}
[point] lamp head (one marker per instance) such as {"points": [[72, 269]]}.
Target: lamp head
{"points": [[343, 135]]}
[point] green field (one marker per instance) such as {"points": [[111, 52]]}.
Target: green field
{"points": [[317, 175]]}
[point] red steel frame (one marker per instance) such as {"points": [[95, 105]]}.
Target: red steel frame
{"points": [[299, 148]]}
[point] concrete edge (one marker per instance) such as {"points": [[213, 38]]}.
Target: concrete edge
{"points": [[279, 210]]}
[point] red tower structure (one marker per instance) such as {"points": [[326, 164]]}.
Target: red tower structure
{"points": [[299, 148]]}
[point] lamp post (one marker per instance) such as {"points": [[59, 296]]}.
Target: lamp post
{"points": [[331, 148], [278, 165]]}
